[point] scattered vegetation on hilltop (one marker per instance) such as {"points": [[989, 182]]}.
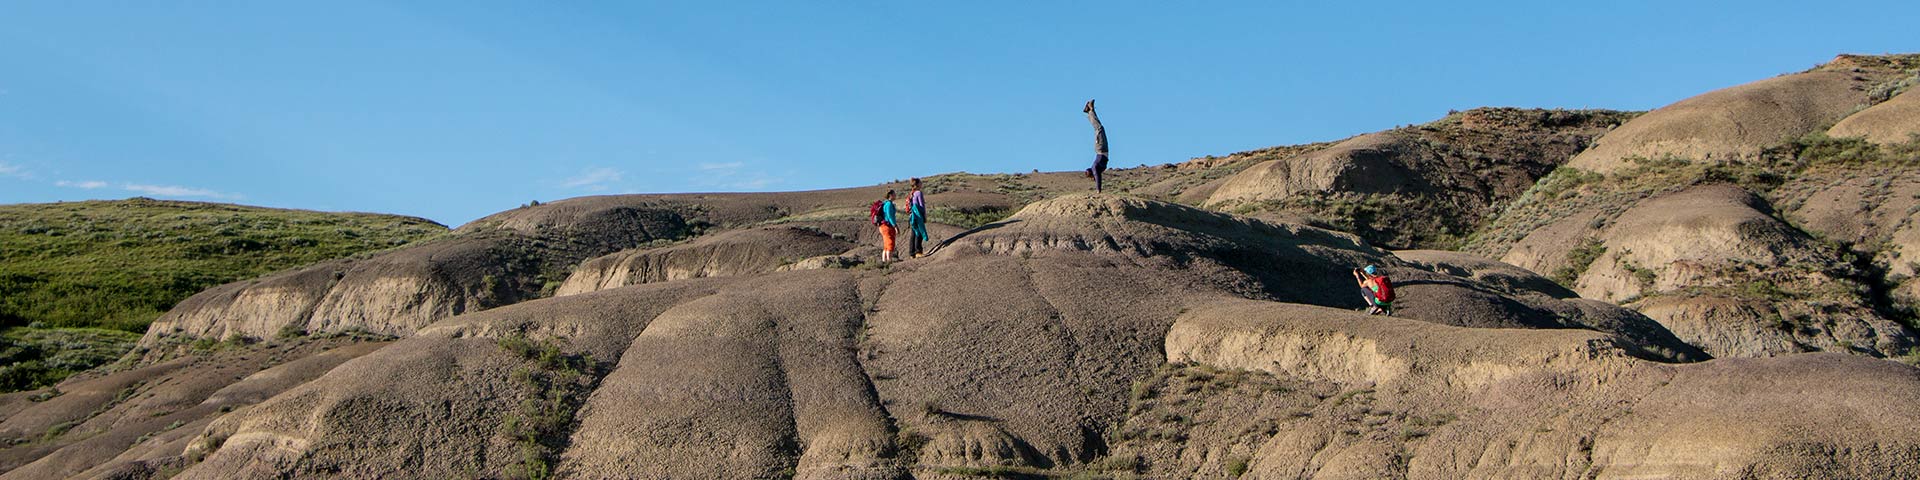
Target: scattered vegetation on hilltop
{"points": [[79, 281], [119, 264], [32, 358]]}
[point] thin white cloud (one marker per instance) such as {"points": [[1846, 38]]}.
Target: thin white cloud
{"points": [[759, 183], [726, 166], [176, 191], [12, 170], [594, 179], [732, 176]]}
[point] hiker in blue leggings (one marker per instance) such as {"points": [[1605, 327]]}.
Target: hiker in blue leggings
{"points": [[1099, 170], [916, 220]]}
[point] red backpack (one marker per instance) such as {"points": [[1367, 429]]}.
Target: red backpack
{"points": [[873, 213], [1385, 292]]}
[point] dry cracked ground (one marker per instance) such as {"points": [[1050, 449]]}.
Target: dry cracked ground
{"points": [[1721, 288]]}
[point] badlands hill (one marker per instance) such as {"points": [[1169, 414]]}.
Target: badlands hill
{"points": [[1683, 316], [79, 281], [118, 264], [1746, 244]]}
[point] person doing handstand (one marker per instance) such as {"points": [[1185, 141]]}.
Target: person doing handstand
{"points": [[1099, 170]]}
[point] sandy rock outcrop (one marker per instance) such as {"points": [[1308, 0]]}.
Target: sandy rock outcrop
{"points": [[1896, 120], [1732, 123]]}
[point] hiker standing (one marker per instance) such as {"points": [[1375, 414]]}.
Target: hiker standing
{"points": [[1377, 289], [881, 212], [1099, 170], [916, 220]]}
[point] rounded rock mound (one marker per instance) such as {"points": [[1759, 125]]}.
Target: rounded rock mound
{"points": [[1368, 163], [739, 252], [1896, 120], [1732, 123]]}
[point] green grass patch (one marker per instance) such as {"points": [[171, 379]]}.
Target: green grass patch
{"points": [[1236, 467], [1564, 180], [119, 264], [1578, 261], [556, 383], [968, 217], [32, 358]]}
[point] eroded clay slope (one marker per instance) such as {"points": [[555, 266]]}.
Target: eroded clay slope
{"points": [[138, 422], [1017, 346], [1335, 395]]}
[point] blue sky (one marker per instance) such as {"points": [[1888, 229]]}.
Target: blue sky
{"points": [[453, 110]]}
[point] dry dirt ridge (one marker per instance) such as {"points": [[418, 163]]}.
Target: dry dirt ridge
{"points": [[1089, 335]]}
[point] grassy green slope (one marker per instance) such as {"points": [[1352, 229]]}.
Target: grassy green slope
{"points": [[119, 264]]}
